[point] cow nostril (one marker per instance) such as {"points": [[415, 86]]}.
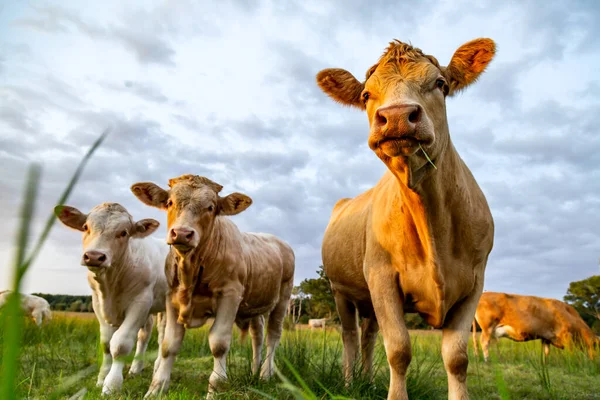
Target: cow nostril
{"points": [[102, 258], [189, 235], [86, 257], [381, 120], [173, 233], [414, 116]]}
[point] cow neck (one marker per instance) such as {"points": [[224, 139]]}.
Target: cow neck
{"points": [[423, 193], [113, 280]]}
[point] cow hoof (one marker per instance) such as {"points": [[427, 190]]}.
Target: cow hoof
{"points": [[157, 388], [136, 368], [112, 386]]}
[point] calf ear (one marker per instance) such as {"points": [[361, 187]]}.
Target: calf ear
{"points": [[234, 204], [145, 227], [341, 86], [71, 217], [468, 62], [151, 194]]}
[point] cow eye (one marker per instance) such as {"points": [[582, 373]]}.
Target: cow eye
{"points": [[440, 83], [123, 234], [85, 227], [211, 208], [169, 203], [366, 96]]}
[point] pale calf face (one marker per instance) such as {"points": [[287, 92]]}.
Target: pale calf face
{"points": [[106, 232], [192, 205], [404, 95]]}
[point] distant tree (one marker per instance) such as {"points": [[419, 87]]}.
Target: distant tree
{"points": [[321, 300], [75, 306], [584, 296]]}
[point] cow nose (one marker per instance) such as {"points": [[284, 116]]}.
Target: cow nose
{"points": [[181, 235], [94, 258], [398, 120]]}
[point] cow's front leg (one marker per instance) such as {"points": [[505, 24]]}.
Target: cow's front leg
{"points": [[257, 328], [455, 338], [173, 337], [387, 302], [106, 333], [161, 322], [123, 340], [143, 337], [219, 338]]}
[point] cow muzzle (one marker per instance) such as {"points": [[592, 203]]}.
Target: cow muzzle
{"points": [[183, 239], [95, 259], [400, 129]]}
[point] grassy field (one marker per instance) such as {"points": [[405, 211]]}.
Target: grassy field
{"points": [[60, 360]]}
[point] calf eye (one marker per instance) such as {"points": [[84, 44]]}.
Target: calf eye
{"points": [[85, 227], [211, 208], [123, 234], [169, 203], [365, 96]]}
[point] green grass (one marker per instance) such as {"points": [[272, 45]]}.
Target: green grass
{"points": [[61, 358]]}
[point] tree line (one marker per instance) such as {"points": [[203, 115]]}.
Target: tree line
{"points": [[67, 302]]}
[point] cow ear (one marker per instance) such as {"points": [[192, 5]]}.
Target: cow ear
{"points": [[151, 194], [341, 86], [71, 217], [468, 63], [234, 204], [145, 227]]}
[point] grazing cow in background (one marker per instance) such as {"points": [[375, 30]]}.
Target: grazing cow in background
{"points": [[524, 318], [419, 240], [213, 269], [317, 323], [126, 274], [35, 307]]}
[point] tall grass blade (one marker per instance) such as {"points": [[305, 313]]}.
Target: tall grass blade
{"points": [[12, 320]]}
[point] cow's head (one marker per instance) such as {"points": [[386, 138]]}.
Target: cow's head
{"points": [[106, 232], [192, 204], [404, 95]]}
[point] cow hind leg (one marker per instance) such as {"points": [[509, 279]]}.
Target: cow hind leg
{"points": [[142, 344], [274, 329], [349, 319], [369, 329], [257, 327], [455, 337], [484, 339]]}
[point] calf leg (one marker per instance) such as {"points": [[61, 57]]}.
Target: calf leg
{"points": [[257, 327], [123, 340], [486, 335], [455, 338], [369, 328], [387, 302], [274, 328], [169, 347], [142, 344], [161, 322], [219, 339], [347, 312], [106, 333]]}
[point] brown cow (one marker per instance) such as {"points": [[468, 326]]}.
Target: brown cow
{"points": [[419, 240], [524, 318], [213, 269]]}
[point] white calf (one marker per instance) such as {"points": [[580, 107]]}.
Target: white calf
{"points": [[317, 323], [126, 274], [34, 307]]}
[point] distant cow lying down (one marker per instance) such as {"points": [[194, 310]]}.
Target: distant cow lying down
{"points": [[214, 270], [126, 274], [317, 323], [34, 307], [524, 318]]}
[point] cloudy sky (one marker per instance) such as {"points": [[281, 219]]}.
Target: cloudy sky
{"points": [[228, 91]]}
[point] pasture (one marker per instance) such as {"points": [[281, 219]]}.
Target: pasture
{"points": [[61, 359]]}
